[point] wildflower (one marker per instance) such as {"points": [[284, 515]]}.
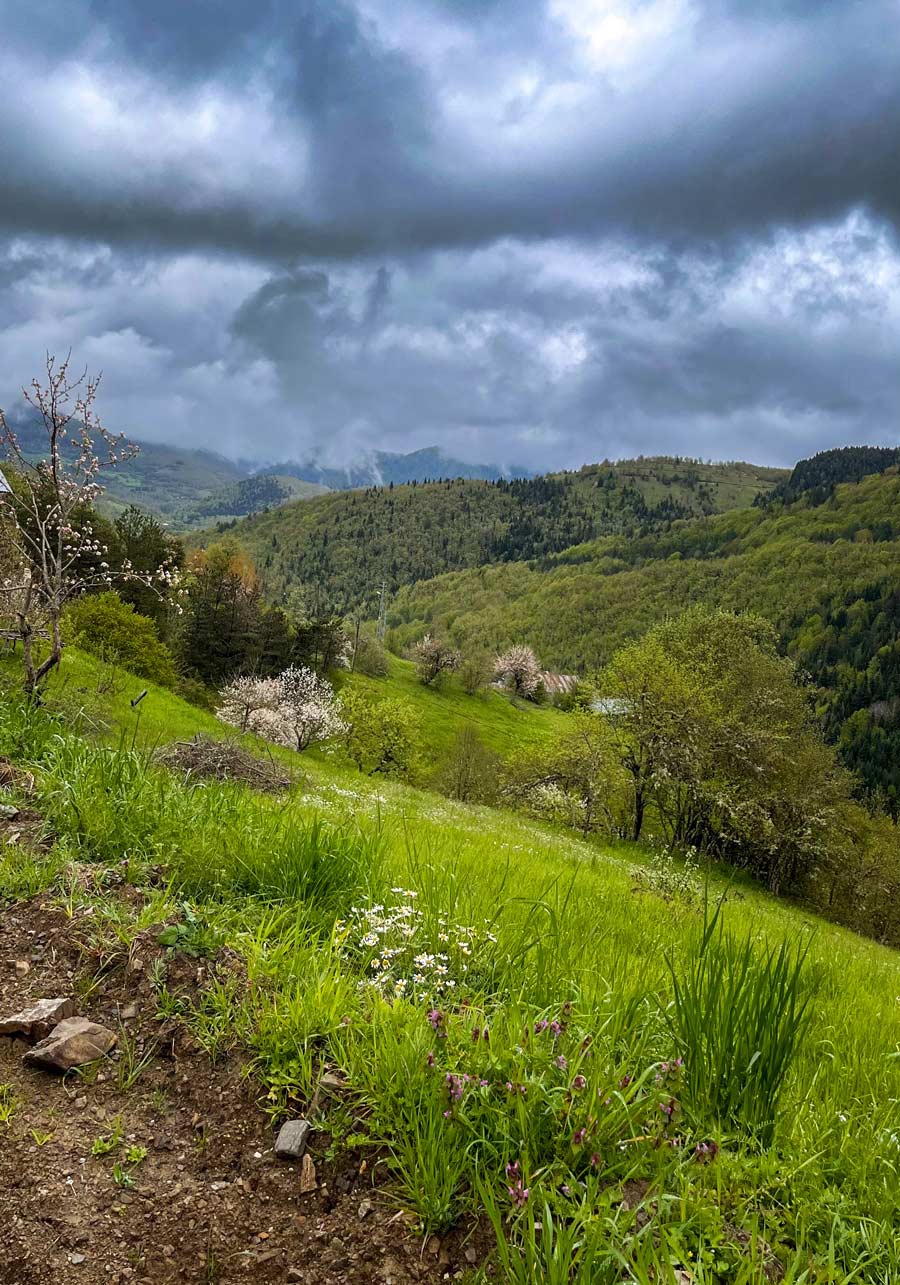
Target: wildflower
{"points": [[519, 1194], [435, 1018], [579, 1082], [578, 1137], [512, 1169], [595, 1160], [430, 1059], [556, 1029], [561, 1062], [541, 1026], [476, 1035]]}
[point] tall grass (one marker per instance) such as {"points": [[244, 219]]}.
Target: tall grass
{"points": [[737, 1016], [116, 805]]}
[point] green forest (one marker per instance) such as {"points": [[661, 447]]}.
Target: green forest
{"points": [[337, 550]]}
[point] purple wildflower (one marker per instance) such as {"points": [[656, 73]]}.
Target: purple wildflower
{"points": [[519, 1194], [579, 1082], [561, 1062]]}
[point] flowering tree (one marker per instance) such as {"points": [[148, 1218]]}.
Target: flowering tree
{"points": [[58, 555], [295, 709], [434, 658], [245, 699], [518, 668], [310, 709]]}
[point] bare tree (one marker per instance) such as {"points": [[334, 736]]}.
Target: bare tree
{"points": [[58, 555]]}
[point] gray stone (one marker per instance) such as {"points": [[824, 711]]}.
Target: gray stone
{"points": [[292, 1139], [38, 1021], [72, 1043]]}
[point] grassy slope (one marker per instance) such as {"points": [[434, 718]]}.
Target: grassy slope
{"points": [[345, 543], [443, 711], [577, 607], [570, 926], [446, 710]]}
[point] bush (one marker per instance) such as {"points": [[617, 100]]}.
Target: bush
{"points": [[475, 672], [105, 626], [369, 657], [470, 772], [383, 735]]}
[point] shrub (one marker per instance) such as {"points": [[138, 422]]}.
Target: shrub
{"points": [[369, 657], [105, 626], [382, 735], [475, 672], [470, 772]]}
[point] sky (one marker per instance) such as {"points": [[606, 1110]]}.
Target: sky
{"points": [[532, 232]]}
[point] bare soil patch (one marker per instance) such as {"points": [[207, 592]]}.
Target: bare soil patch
{"points": [[210, 1202]]}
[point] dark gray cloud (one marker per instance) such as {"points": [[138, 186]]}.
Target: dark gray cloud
{"points": [[533, 230]]}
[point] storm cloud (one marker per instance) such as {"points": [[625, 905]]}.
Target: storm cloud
{"points": [[531, 231]]}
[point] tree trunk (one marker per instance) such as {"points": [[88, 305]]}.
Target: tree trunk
{"points": [[638, 811]]}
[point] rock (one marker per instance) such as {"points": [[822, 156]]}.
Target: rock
{"points": [[23, 968], [8, 812], [307, 1175], [72, 1043], [365, 1209], [292, 1139], [471, 1254], [129, 1012], [76, 1259], [36, 1022]]}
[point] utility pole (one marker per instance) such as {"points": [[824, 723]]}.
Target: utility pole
{"points": [[382, 613]]}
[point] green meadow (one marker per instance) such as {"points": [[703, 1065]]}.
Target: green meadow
{"points": [[626, 1074]]}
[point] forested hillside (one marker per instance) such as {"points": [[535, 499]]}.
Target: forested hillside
{"points": [[339, 548], [250, 495], [826, 576], [815, 479]]}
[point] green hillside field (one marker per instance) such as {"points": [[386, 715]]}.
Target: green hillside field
{"points": [[597, 1106]]}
